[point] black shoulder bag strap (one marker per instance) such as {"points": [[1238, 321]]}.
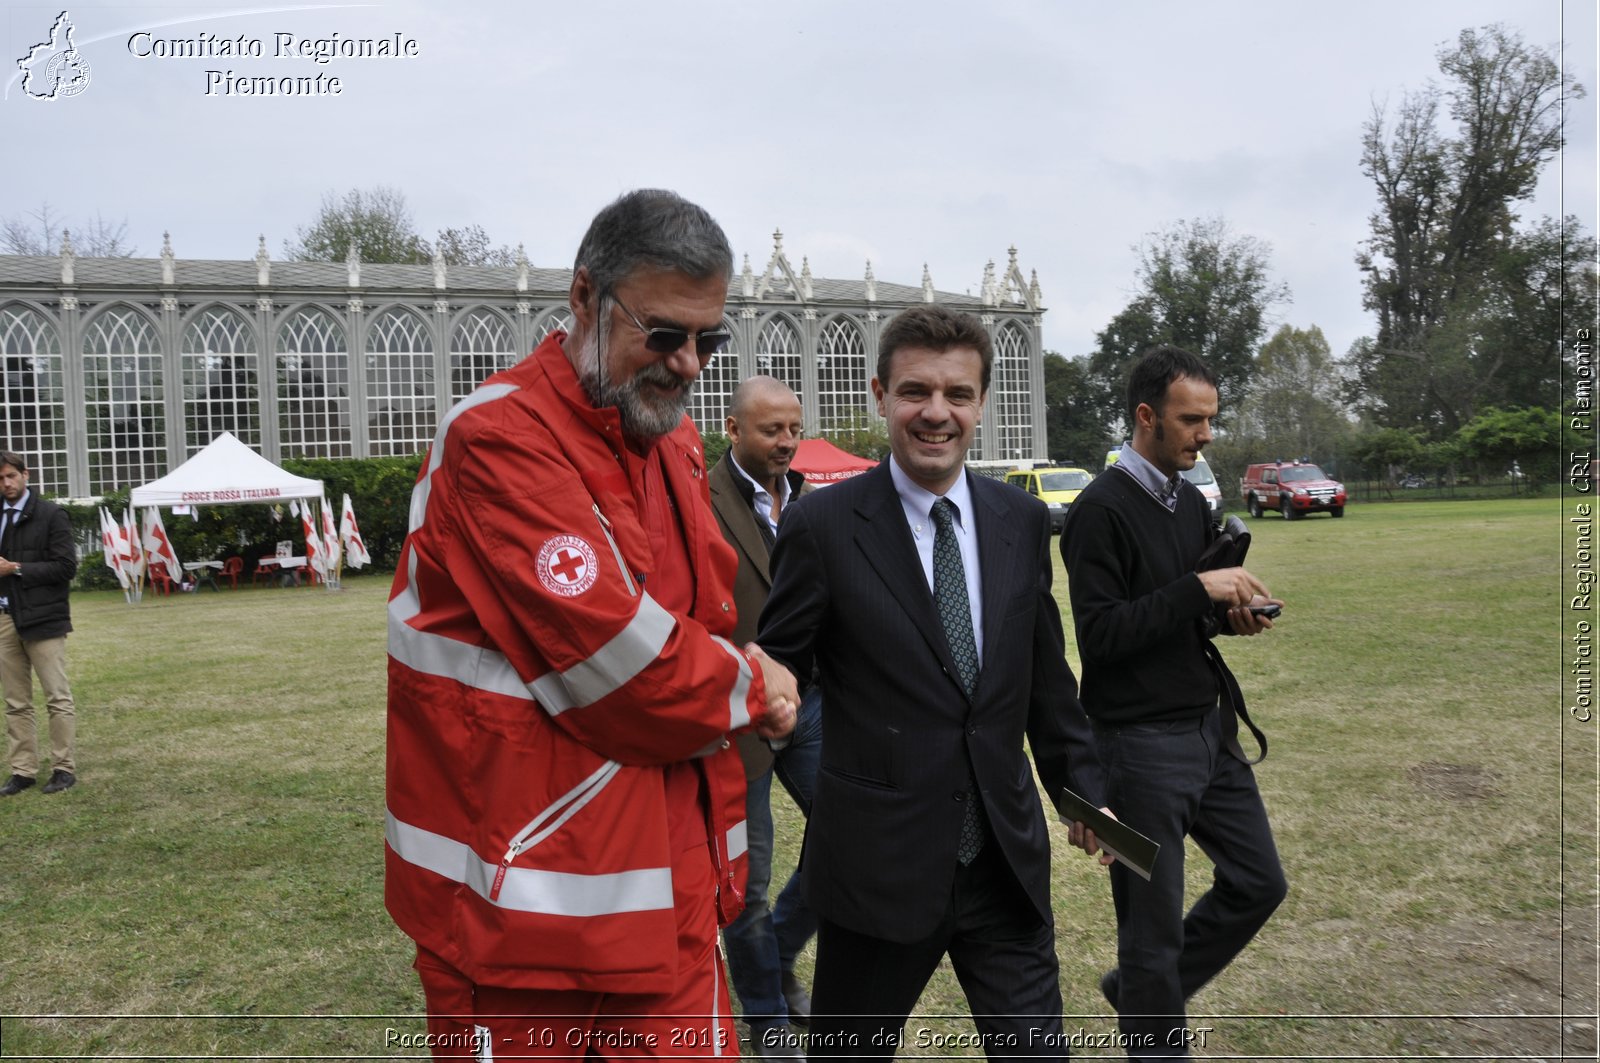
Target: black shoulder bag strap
{"points": [[1228, 550]]}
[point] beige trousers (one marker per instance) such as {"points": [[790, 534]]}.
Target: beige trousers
{"points": [[20, 661]]}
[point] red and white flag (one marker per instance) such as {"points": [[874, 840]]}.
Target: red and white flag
{"points": [[132, 555], [111, 545], [314, 556], [158, 547], [355, 550], [330, 539]]}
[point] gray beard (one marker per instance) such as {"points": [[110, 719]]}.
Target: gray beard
{"points": [[641, 418]]}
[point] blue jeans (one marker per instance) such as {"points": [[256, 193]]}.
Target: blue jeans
{"points": [[762, 943]]}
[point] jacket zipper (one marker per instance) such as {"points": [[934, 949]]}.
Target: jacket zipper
{"points": [[616, 552], [551, 820]]}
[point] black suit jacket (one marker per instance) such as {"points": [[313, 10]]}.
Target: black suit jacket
{"points": [[898, 730]]}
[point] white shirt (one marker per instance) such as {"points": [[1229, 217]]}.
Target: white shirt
{"points": [[917, 502], [763, 499]]}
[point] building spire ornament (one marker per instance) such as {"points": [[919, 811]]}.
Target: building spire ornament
{"points": [[352, 264], [522, 269], [872, 284], [263, 263], [927, 284], [990, 293], [747, 279], [168, 262], [439, 268], [805, 278], [1013, 289], [68, 257], [779, 276]]}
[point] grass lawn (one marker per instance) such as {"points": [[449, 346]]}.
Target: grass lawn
{"points": [[213, 887]]}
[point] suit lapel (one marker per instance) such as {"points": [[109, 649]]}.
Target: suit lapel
{"points": [[885, 540], [998, 560], [740, 518]]}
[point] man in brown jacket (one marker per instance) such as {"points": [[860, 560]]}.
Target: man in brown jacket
{"points": [[750, 487]]}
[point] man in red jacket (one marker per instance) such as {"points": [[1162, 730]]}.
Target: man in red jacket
{"points": [[565, 819]]}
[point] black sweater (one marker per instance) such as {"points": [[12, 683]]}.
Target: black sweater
{"points": [[1137, 605]]}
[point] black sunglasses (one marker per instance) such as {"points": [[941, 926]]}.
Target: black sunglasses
{"points": [[669, 340]]}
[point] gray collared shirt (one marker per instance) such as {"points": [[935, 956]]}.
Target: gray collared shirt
{"points": [[1147, 476]]}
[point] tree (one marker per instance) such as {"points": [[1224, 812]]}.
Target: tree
{"points": [[1295, 404], [1526, 440], [470, 246], [1446, 273], [859, 434], [40, 232], [1387, 451], [1201, 288], [377, 221], [1074, 431]]}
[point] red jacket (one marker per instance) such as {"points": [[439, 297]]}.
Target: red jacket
{"points": [[537, 693]]}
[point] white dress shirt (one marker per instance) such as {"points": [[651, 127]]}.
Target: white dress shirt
{"points": [[917, 502]]}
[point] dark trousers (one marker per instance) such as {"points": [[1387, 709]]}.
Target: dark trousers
{"points": [[1170, 781], [1003, 955]]}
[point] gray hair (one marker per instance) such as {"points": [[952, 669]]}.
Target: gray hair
{"points": [[651, 227]]}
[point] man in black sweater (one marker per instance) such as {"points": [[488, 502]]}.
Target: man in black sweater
{"points": [[1164, 729]]}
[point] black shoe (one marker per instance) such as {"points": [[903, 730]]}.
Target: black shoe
{"points": [[798, 1000], [59, 780], [15, 785], [1111, 987]]}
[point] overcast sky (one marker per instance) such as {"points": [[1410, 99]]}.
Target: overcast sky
{"points": [[901, 131]]}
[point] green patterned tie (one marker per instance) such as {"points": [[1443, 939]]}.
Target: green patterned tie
{"points": [[955, 612]]}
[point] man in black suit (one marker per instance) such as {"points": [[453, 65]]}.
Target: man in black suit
{"points": [[924, 595]]}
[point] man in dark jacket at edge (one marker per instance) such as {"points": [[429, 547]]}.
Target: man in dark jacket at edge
{"points": [[37, 563]]}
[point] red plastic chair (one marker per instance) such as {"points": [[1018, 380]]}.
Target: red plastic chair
{"points": [[231, 569], [160, 581]]}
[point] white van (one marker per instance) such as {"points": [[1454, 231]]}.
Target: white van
{"points": [[1201, 476]]}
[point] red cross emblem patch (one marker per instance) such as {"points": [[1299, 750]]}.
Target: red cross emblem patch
{"points": [[567, 566]]}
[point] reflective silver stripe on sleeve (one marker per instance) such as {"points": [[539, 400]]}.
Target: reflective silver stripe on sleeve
{"points": [[430, 654], [738, 840], [419, 493], [531, 889], [472, 666], [610, 667], [739, 699], [484, 669]]}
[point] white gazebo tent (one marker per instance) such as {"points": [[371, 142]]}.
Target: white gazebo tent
{"points": [[226, 473]]}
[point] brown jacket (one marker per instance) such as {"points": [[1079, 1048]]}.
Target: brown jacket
{"points": [[737, 520]]}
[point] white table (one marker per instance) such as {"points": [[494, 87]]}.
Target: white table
{"points": [[288, 566], [202, 572]]}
